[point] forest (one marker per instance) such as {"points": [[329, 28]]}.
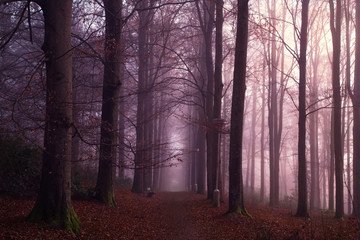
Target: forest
{"points": [[179, 119]]}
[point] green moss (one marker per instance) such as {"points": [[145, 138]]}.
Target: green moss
{"points": [[71, 221], [65, 218], [239, 211], [109, 200], [243, 212]]}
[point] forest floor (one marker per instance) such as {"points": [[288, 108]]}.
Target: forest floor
{"points": [[178, 215]]}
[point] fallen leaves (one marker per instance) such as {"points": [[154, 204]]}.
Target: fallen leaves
{"points": [[174, 216]]}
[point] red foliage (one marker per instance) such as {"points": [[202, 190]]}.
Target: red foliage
{"points": [[174, 216]]}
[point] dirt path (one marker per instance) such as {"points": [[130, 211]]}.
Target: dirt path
{"points": [[175, 212]]}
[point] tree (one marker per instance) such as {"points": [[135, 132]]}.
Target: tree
{"points": [[335, 26], [138, 184], [253, 143], [111, 87], [262, 137], [236, 196], [201, 135], [302, 188], [355, 96], [54, 199], [348, 93], [218, 92], [207, 25], [313, 113], [275, 105]]}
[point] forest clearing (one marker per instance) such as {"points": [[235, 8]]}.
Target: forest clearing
{"points": [[175, 215]]}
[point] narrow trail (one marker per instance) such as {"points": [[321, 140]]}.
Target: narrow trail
{"points": [[175, 210]]}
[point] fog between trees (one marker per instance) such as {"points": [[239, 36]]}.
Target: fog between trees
{"points": [[258, 99]]}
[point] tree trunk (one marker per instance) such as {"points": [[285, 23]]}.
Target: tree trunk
{"points": [[253, 143], [348, 167], [262, 139], [209, 95], [356, 117], [236, 197], [201, 160], [331, 165], [138, 184], [313, 127], [335, 26], [54, 200], [273, 112], [302, 188], [156, 146], [121, 132], [109, 117], [218, 93], [201, 136], [225, 161], [76, 164]]}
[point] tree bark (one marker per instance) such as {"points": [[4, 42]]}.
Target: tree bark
{"points": [[253, 142], [201, 173], [207, 28], [109, 116], [236, 196], [272, 117], [218, 91], [302, 188], [54, 199], [121, 132], [335, 26], [356, 117], [201, 136], [331, 164], [262, 139], [313, 127], [138, 184]]}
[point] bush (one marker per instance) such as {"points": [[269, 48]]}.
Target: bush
{"points": [[20, 167]]}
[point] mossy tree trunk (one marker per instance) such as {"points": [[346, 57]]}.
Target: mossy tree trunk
{"points": [[109, 117], [236, 197], [54, 200]]}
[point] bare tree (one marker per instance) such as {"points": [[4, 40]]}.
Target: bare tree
{"points": [[218, 92], [275, 104], [314, 116], [236, 197], [335, 26], [138, 184], [262, 138], [302, 188], [109, 117], [54, 199], [206, 14], [355, 96], [253, 138]]}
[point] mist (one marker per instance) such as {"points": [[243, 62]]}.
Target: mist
{"points": [[243, 103]]}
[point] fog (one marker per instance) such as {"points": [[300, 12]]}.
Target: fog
{"points": [[159, 117]]}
